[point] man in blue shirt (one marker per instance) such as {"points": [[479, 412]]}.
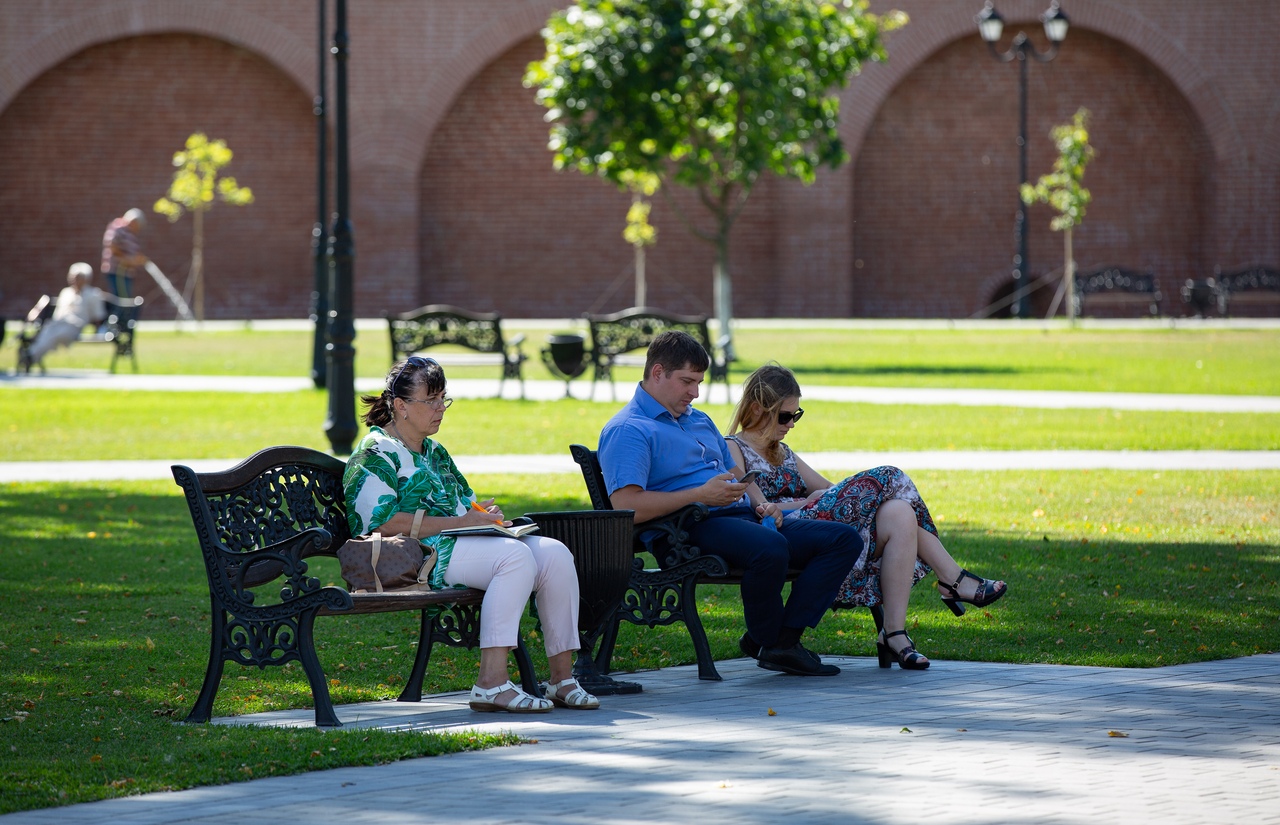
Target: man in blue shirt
{"points": [[658, 454]]}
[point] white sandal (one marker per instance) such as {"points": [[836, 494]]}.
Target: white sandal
{"points": [[578, 699], [485, 700]]}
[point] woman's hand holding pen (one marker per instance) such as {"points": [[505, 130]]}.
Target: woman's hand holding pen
{"points": [[483, 513]]}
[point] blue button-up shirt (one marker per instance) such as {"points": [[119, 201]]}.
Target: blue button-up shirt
{"points": [[645, 445]]}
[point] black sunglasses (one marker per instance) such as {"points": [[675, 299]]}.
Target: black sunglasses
{"points": [[785, 418], [412, 360]]}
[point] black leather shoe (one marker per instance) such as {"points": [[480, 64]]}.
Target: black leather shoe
{"points": [[795, 660], [749, 646]]}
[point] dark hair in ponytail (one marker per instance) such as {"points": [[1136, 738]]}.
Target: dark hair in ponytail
{"points": [[404, 378]]}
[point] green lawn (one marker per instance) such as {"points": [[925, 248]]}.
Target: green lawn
{"points": [[1218, 361], [104, 624], [104, 628], [168, 425]]}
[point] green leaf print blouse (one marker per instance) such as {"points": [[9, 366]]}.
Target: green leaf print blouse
{"points": [[384, 477]]}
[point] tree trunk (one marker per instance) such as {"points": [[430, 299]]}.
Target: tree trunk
{"points": [[1069, 274], [723, 290], [197, 263], [641, 293]]}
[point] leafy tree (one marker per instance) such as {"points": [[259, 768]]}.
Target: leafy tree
{"points": [[706, 93], [194, 187], [1063, 189]]}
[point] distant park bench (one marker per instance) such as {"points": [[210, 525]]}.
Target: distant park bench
{"points": [[616, 334], [1252, 290], [1114, 290], [425, 327], [119, 329]]}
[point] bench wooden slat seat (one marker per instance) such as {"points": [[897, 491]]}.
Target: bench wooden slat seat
{"points": [[1115, 290], [257, 524], [616, 334], [119, 329], [425, 327], [667, 594]]}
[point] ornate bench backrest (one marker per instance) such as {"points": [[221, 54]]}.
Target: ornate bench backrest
{"points": [[427, 326], [633, 329], [592, 476], [1249, 279], [272, 496]]}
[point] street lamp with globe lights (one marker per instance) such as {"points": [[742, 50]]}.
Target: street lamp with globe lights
{"points": [[990, 27]]}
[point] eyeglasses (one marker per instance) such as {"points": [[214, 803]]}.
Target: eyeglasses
{"points": [[785, 418], [414, 361], [444, 402]]}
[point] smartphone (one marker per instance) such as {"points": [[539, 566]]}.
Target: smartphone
{"points": [[749, 477]]}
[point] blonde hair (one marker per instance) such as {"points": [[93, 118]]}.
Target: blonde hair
{"points": [[763, 394]]}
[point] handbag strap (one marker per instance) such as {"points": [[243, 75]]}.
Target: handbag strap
{"points": [[373, 560], [417, 524]]}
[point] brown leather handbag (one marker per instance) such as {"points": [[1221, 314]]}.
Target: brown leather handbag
{"points": [[387, 564]]}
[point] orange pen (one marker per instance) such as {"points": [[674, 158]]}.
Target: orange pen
{"points": [[475, 505]]}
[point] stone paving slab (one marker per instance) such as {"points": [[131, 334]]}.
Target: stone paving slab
{"points": [[964, 742]]}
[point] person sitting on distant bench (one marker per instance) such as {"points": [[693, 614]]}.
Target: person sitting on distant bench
{"points": [[79, 304]]}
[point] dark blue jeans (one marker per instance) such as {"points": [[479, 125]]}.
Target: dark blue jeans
{"points": [[823, 550], [119, 285]]}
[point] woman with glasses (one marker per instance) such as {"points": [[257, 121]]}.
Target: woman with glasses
{"points": [[900, 540], [400, 480]]}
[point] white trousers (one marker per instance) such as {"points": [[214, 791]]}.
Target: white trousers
{"points": [[509, 570], [53, 334]]}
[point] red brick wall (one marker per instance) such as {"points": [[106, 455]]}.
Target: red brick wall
{"points": [[96, 136], [502, 230], [453, 197], [935, 184]]}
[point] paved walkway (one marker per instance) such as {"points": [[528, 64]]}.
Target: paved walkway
{"points": [[964, 742]]}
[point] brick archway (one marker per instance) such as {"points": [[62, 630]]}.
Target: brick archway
{"points": [[911, 46], [100, 152], [105, 23]]}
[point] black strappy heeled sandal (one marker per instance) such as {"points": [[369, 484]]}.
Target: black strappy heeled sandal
{"points": [[985, 593], [908, 658]]}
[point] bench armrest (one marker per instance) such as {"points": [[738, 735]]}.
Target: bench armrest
{"points": [[245, 570], [122, 302], [667, 538]]}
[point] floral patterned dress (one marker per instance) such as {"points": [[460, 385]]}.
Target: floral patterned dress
{"points": [[853, 501], [383, 478]]}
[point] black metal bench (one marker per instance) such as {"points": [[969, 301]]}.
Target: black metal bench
{"points": [[256, 524], [119, 330], [667, 594], [436, 324], [1254, 290], [618, 333], [1114, 289]]}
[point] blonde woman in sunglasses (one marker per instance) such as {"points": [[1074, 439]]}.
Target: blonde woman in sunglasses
{"points": [[900, 540]]}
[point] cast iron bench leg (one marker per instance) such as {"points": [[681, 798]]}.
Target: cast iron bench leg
{"points": [[325, 716], [203, 708]]}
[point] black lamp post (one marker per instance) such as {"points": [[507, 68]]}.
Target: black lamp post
{"points": [[990, 27], [340, 426], [319, 242]]}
